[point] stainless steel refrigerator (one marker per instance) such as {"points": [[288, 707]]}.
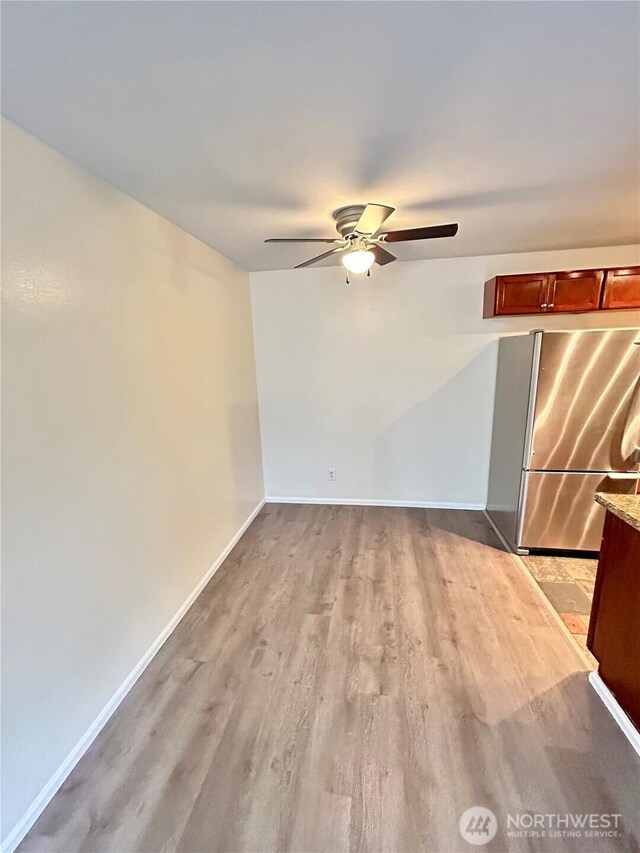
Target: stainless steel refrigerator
{"points": [[566, 425]]}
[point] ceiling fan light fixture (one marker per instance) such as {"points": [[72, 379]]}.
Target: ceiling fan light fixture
{"points": [[361, 241], [358, 261]]}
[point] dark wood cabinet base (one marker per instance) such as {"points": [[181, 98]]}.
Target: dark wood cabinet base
{"points": [[614, 627]]}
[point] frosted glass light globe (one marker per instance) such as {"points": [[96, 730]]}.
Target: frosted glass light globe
{"points": [[358, 261]]}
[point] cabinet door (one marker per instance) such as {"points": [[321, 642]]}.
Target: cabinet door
{"points": [[575, 291], [613, 638], [522, 294], [622, 288]]}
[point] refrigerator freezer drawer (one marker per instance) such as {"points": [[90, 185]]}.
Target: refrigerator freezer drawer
{"points": [[558, 509]]}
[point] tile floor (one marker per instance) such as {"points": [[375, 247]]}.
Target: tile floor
{"points": [[568, 584]]}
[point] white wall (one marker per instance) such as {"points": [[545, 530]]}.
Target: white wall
{"points": [[131, 449], [390, 380]]}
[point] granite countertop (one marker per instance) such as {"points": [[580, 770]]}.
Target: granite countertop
{"points": [[626, 507]]}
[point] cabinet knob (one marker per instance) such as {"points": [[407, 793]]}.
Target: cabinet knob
{"points": [[544, 305], [550, 305]]}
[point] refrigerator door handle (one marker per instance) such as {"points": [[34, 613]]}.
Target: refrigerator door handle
{"points": [[528, 451]]}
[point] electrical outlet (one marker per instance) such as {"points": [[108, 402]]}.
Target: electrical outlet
{"points": [[332, 473]]}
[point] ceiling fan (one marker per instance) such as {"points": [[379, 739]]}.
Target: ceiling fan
{"points": [[360, 239]]}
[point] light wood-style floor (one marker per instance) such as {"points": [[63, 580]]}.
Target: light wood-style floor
{"points": [[353, 678]]}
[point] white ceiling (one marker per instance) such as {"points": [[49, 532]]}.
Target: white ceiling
{"points": [[240, 121]]}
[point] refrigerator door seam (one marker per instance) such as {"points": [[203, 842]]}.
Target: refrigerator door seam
{"points": [[626, 474]]}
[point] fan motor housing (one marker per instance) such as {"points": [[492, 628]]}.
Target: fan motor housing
{"points": [[347, 218]]}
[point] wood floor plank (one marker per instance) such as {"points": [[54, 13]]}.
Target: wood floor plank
{"points": [[352, 679]]}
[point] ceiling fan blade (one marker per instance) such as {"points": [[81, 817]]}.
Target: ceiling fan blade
{"points": [[373, 218], [301, 240], [319, 257], [427, 233], [382, 256]]}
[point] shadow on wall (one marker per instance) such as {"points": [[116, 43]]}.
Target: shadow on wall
{"points": [[241, 425], [452, 428]]}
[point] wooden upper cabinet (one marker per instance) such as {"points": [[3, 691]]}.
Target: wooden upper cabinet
{"points": [[516, 294], [574, 291], [562, 292], [622, 288]]}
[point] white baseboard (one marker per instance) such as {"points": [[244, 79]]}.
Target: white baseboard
{"points": [[15, 836], [498, 532], [631, 732], [369, 502]]}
